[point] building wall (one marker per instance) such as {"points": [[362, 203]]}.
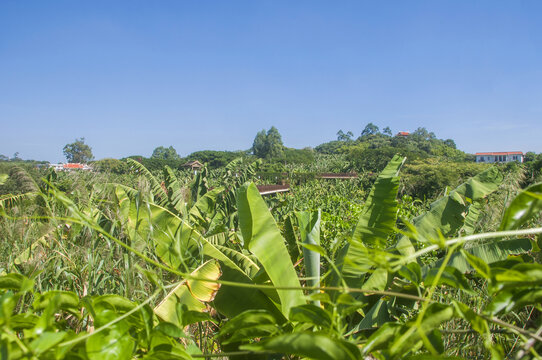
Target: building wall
{"points": [[499, 158]]}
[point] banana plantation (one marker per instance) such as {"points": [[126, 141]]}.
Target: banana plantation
{"points": [[175, 265]]}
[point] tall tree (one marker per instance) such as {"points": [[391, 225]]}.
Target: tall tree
{"points": [[164, 153], [387, 131], [259, 145], [268, 145], [370, 129], [274, 143], [341, 136], [78, 151]]}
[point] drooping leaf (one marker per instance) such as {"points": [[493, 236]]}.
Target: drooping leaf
{"points": [[262, 237], [450, 276], [175, 192], [111, 344], [312, 345], [525, 205], [248, 325], [230, 300], [14, 281], [190, 292], [158, 191], [447, 215], [310, 313], [488, 253], [63, 300]]}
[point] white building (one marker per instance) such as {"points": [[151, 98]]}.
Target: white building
{"points": [[499, 157]]}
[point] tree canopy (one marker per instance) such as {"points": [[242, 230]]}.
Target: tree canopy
{"points": [[268, 145], [78, 151], [164, 153]]}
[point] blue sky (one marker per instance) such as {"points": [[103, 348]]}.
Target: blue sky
{"points": [[133, 75]]}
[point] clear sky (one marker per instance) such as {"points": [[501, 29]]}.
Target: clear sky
{"points": [[133, 75]]}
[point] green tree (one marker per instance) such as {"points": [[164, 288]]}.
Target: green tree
{"points": [[387, 131], [164, 153], [259, 144], [370, 129], [268, 145], [78, 151], [341, 136]]}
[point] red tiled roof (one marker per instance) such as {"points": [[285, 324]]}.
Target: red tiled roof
{"points": [[500, 153], [73, 166], [403, 133]]}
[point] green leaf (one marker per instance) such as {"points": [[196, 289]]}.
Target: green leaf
{"points": [[16, 282], [488, 253], [451, 277], [376, 316], [156, 188], [447, 215], [230, 300], [478, 323], [171, 330], [412, 272], [175, 192], [309, 228], [116, 303], [478, 264], [511, 299], [312, 345], [63, 300], [46, 341], [526, 205], [248, 325], [376, 223], [113, 343], [519, 275], [262, 237], [312, 314]]}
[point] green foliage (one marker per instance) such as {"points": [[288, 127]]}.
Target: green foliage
{"points": [[113, 166], [268, 145], [164, 153], [171, 266], [78, 152], [215, 159]]}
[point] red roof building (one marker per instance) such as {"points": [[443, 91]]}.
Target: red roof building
{"points": [[403, 133], [499, 156]]}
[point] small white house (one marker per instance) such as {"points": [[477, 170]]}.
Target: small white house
{"points": [[499, 157], [70, 166]]}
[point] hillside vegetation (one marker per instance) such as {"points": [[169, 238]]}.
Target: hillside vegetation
{"points": [[433, 257]]}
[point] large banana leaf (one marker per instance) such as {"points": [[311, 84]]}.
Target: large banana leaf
{"points": [[447, 215], [191, 293], [526, 205], [158, 191], [230, 300], [308, 345], [262, 238], [175, 192], [376, 222], [489, 253], [135, 217]]}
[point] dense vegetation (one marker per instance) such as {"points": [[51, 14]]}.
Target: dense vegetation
{"points": [[161, 263]]}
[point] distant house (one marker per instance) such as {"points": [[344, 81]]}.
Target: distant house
{"points": [[402, 133], [193, 165], [70, 167], [499, 157]]}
